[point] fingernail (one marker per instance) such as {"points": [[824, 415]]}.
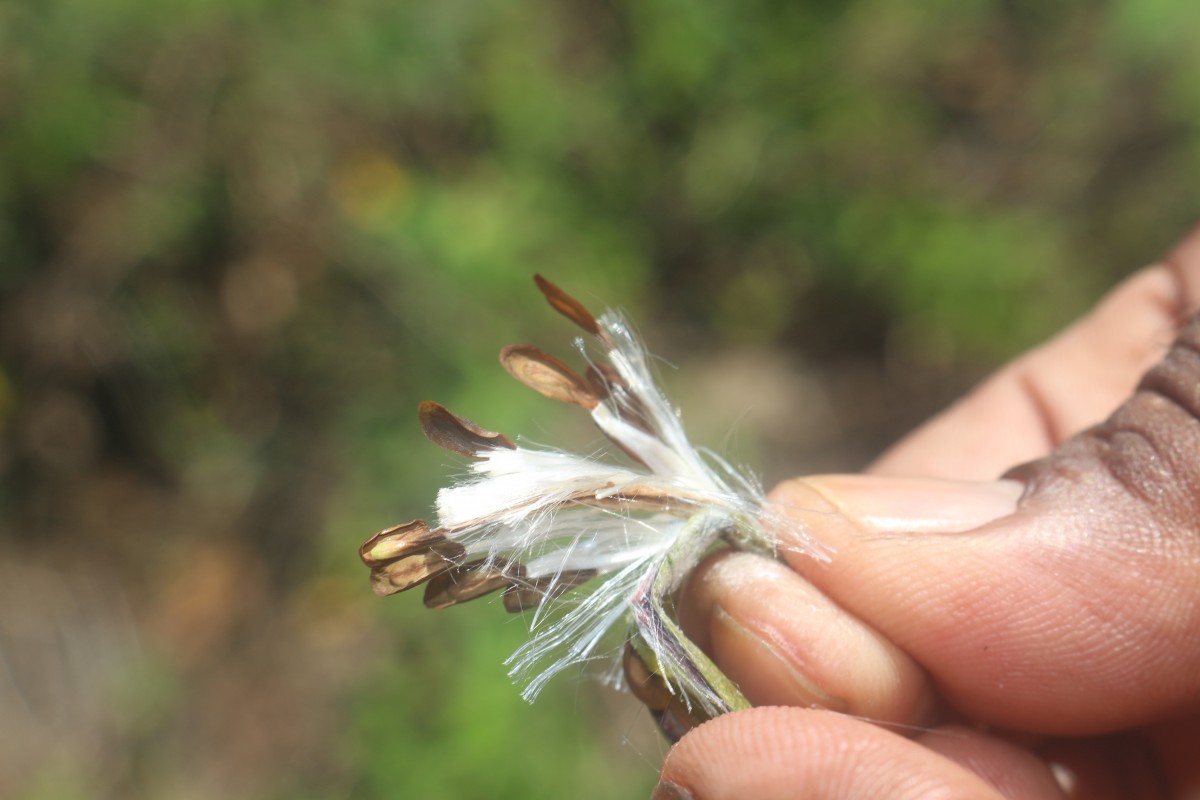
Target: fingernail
{"points": [[914, 505], [789, 686], [671, 791]]}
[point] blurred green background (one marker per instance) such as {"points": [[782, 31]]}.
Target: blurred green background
{"points": [[241, 239]]}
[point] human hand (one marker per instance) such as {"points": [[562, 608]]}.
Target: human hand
{"points": [[1032, 637]]}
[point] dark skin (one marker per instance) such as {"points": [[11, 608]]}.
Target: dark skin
{"points": [[1032, 637]]}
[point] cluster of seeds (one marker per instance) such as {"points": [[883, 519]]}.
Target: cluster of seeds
{"points": [[536, 523]]}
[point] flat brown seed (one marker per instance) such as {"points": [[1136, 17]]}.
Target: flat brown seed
{"points": [[675, 720], [469, 582], [644, 683], [606, 383], [530, 594], [547, 376], [405, 573], [518, 599], [602, 379], [458, 434], [568, 306], [399, 541]]}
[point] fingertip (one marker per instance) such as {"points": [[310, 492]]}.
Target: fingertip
{"points": [[770, 753], [1014, 771], [1015, 620], [785, 643]]}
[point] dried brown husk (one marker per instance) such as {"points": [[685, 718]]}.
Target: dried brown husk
{"points": [[644, 683], [405, 573], [568, 306], [446, 429], [471, 581], [407, 555], [399, 541], [547, 376], [606, 383], [602, 378], [677, 719], [530, 594]]}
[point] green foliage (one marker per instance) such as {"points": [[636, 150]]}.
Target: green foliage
{"points": [[470, 735]]}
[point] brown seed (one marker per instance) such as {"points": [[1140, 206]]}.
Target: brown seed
{"points": [[645, 684], [606, 383], [602, 379], [399, 541], [676, 720], [470, 581], [530, 594], [568, 306], [446, 429], [637, 497], [547, 376], [405, 573]]}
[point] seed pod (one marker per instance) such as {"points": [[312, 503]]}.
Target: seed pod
{"points": [[547, 376], [603, 379], [476, 579], [400, 541], [408, 554], [568, 306], [405, 573], [644, 683], [458, 434], [530, 594], [606, 384], [676, 719]]}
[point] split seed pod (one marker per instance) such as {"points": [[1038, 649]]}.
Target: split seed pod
{"points": [[541, 525], [407, 555], [469, 582]]}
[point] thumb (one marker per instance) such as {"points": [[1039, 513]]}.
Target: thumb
{"points": [[1076, 613]]}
